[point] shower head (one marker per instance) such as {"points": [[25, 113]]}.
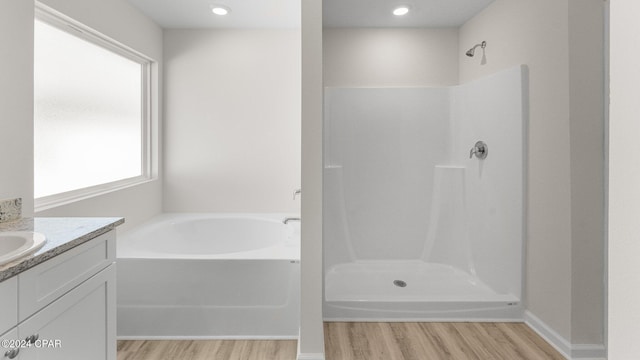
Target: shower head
{"points": [[472, 51]]}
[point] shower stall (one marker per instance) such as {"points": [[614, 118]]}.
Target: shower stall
{"points": [[424, 201]]}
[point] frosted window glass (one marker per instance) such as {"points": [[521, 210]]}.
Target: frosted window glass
{"points": [[88, 113]]}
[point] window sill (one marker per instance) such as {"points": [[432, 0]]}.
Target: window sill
{"points": [[53, 201]]}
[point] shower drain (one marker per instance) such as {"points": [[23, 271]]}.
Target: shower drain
{"points": [[399, 283]]}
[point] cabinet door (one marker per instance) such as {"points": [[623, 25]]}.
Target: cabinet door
{"points": [[79, 325], [9, 304], [7, 350]]}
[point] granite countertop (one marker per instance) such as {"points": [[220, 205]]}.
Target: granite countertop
{"points": [[62, 234]]}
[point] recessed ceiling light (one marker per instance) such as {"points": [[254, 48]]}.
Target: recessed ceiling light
{"points": [[401, 10], [220, 9]]}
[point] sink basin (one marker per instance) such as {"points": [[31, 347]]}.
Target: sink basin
{"points": [[16, 244]]}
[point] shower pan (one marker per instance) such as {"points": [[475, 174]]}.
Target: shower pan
{"points": [[415, 226]]}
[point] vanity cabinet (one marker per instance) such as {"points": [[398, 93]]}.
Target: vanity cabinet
{"points": [[67, 304], [9, 304]]}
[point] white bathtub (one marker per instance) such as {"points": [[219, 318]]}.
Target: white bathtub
{"points": [[196, 276]]}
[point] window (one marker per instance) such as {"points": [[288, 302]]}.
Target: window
{"points": [[91, 117]]}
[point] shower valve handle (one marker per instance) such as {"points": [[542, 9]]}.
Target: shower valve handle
{"points": [[480, 149]]}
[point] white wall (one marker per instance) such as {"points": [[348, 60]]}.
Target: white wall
{"points": [[535, 33], [16, 102], [624, 182], [311, 339], [561, 43], [122, 22], [232, 102], [390, 57], [586, 74]]}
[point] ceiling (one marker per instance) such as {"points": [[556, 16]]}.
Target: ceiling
{"points": [[195, 14], [423, 13]]}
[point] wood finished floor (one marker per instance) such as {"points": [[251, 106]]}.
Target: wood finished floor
{"points": [[207, 350], [426, 341], [367, 341]]}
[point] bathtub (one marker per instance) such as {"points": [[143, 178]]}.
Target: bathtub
{"points": [[209, 276]]}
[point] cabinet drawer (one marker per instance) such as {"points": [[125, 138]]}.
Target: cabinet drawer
{"points": [[8, 304], [46, 282]]}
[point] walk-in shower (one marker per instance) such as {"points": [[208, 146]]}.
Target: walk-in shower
{"points": [[421, 220]]}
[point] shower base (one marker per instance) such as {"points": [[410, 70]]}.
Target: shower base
{"points": [[413, 290]]}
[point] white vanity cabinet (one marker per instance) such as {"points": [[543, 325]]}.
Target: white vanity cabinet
{"points": [[67, 304]]}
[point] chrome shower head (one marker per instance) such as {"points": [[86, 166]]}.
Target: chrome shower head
{"points": [[472, 51]]}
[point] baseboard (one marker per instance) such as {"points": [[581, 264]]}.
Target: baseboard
{"points": [[547, 333], [588, 352], [310, 356], [564, 347]]}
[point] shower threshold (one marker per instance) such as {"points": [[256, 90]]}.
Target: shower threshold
{"points": [[415, 290]]}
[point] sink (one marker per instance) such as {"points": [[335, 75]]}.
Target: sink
{"points": [[16, 244]]}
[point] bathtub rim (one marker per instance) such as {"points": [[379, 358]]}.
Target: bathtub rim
{"points": [[286, 249]]}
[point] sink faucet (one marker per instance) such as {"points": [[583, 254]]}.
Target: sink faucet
{"points": [[286, 220]]}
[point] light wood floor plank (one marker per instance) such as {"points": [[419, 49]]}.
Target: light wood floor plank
{"points": [[526, 339], [474, 340], [207, 350], [485, 344], [435, 341], [367, 341], [416, 347], [394, 347]]}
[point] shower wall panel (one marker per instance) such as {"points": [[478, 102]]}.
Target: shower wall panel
{"points": [[381, 147], [492, 109], [401, 187]]}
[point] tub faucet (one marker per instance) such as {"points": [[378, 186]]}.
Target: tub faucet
{"points": [[286, 220]]}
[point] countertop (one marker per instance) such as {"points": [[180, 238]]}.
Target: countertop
{"points": [[62, 233]]}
